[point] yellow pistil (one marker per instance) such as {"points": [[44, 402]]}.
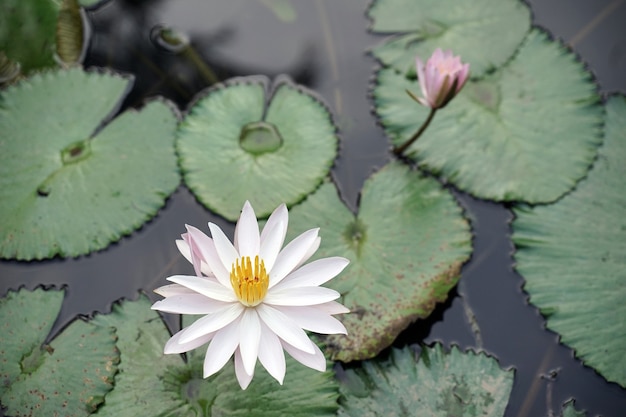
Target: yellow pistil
{"points": [[250, 281]]}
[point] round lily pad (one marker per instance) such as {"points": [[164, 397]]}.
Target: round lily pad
{"points": [[406, 247], [242, 142], [71, 374], [153, 384], [69, 185], [437, 384], [463, 26], [528, 132], [571, 254]]}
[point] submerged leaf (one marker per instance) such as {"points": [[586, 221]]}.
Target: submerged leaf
{"points": [[438, 384], [69, 186], [527, 133], [153, 384], [71, 374], [571, 254], [406, 247], [232, 149], [463, 26]]}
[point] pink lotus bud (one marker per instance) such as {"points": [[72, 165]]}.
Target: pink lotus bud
{"points": [[441, 78]]}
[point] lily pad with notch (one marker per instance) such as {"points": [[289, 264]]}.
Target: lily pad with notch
{"points": [[529, 132], [151, 383], [436, 383], [243, 141], [71, 179], [571, 255], [406, 246], [463, 26], [71, 374]]}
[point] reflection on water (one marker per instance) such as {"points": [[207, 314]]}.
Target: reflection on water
{"points": [[177, 48]]}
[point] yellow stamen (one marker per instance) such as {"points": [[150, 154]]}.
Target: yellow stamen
{"points": [[249, 281]]}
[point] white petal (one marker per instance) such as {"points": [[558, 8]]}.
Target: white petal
{"points": [[315, 273], [189, 304], [225, 250], [207, 287], [173, 289], [194, 251], [248, 238], [291, 255], [312, 249], [332, 307], [174, 346], [280, 215], [221, 348], [300, 296], [314, 320], [242, 377], [206, 246], [249, 336], [285, 328], [184, 249], [212, 322], [271, 354], [270, 247], [315, 360]]}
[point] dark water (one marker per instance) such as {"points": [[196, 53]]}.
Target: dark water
{"points": [[324, 48]]}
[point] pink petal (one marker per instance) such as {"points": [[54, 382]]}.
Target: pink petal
{"points": [[206, 247], [314, 320], [315, 360], [271, 354], [212, 322], [174, 346], [248, 238], [291, 255], [221, 348], [300, 296], [285, 328], [249, 336], [189, 304], [314, 274], [205, 286], [242, 377]]}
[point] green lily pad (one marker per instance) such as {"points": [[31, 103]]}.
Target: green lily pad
{"points": [[66, 190], [232, 148], [153, 384], [71, 374], [570, 411], [527, 133], [27, 31], [463, 26], [406, 247], [571, 254], [438, 384]]}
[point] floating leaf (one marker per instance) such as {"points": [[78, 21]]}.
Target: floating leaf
{"points": [[27, 32], [153, 384], [233, 149], [71, 374], [65, 192], [406, 247], [528, 132], [70, 33], [570, 411], [464, 26], [439, 384], [571, 254]]}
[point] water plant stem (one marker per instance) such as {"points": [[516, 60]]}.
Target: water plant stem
{"points": [[399, 150]]}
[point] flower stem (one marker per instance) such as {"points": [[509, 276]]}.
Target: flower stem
{"points": [[399, 150]]}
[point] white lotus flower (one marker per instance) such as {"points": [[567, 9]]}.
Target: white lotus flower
{"points": [[256, 298]]}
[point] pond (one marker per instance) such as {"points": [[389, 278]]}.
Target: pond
{"points": [[323, 46]]}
